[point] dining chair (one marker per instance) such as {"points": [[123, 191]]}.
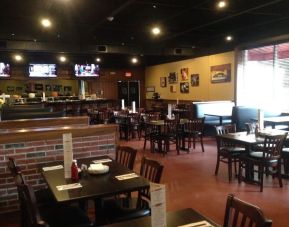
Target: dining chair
{"points": [[239, 213], [124, 209], [43, 196], [191, 131], [227, 152], [125, 156], [56, 216], [267, 158]]}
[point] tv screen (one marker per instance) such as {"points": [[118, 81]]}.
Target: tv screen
{"points": [[42, 70], [86, 70], [4, 69]]}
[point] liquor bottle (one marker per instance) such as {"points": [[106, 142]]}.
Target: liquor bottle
{"points": [[74, 171]]}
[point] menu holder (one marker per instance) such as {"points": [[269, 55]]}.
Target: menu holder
{"points": [[67, 154], [158, 205]]}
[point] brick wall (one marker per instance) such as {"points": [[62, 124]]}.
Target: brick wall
{"points": [[29, 154]]}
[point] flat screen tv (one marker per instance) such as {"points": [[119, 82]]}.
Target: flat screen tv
{"points": [[4, 69], [42, 70], [86, 70]]}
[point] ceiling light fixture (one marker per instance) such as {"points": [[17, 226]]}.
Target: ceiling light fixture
{"points": [[62, 58], [222, 4], [134, 60], [229, 38], [18, 57], [156, 31], [46, 23], [98, 60]]}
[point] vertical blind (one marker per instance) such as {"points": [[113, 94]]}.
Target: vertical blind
{"points": [[263, 77]]}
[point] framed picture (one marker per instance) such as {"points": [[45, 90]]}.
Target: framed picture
{"points": [[184, 87], [185, 73], [173, 88], [195, 80], [173, 78], [19, 89], [150, 89], [67, 88], [38, 87], [221, 73], [10, 88], [48, 87], [163, 81]]}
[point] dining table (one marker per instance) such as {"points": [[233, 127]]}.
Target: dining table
{"points": [[181, 218], [95, 186], [221, 116], [273, 121]]}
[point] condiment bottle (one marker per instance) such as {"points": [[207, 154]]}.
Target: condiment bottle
{"points": [[74, 171]]}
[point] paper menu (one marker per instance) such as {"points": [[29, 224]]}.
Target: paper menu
{"points": [[133, 107], [169, 111], [261, 119], [67, 154], [158, 205]]}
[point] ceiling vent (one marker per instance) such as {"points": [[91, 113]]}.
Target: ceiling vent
{"points": [[101, 49]]}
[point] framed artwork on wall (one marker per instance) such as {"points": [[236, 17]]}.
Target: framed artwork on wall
{"points": [[185, 73], [150, 89], [173, 77], [47, 87], [173, 88], [163, 81], [10, 89], [195, 80], [38, 87], [184, 87], [221, 73]]}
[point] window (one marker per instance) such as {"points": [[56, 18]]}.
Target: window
{"points": [[263, 77]]}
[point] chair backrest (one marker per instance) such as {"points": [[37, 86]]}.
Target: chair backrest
{"points": [[225, 129], [251, 127], [29, 209], [239, 213], [15, 171], [125, 156], [273, 145], [151, 170], [195, 125]]}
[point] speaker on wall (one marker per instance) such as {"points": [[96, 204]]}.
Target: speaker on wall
{"points": [[178, 51]]}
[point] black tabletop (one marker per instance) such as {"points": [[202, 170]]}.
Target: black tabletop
{"points": [[93, 186], [174, 219]]}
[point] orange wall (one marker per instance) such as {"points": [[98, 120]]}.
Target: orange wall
{"points": [[206, 90]]}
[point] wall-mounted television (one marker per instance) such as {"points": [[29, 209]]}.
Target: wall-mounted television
{"points": [[86, 70], [4, 69], [42, 70]]}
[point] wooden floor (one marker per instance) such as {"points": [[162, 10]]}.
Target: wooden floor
{"points": [[190, 182]]}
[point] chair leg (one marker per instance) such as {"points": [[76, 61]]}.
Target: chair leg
{"points": [[261, 176], [240, 171], [202, 144], [217, 164], [230, 168], [279, 174]]}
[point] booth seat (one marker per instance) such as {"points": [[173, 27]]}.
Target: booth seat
{"points": [[199, 110], [242, 115], [31, 115]]}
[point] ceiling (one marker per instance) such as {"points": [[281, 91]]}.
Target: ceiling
{"points": [[116, 29]]}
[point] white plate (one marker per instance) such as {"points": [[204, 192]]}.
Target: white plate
{"points": [[105, 169]]}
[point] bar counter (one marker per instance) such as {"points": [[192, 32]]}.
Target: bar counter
{"points": [[34, 145]]}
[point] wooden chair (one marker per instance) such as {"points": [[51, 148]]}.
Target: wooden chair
{"points": [[55, 217], [267, 158], [126, 156], [227, 152], [239, 213], [130, 208], [191, 131]]}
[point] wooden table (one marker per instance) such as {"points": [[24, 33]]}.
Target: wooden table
{"points": [[276, 120], [174, 219], [94, 186]]}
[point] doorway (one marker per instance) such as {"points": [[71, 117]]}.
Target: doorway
{"points": [[129, 92]]}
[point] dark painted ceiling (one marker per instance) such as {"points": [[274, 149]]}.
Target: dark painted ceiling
{"points": [[191, 28]]}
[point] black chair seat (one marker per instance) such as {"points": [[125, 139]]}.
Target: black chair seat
{"points": [[233, 150], [59, 216], [44, 197]]}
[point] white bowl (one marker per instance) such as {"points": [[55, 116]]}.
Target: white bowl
{"points": [[100, 169]]}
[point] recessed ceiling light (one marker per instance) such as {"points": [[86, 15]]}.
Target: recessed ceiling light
{"points": [[156, 30], [134, 60], [46, 23], [98, 60], [222, 4], [229, 38], [62, 58], [154, 6], [18, 57]]}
